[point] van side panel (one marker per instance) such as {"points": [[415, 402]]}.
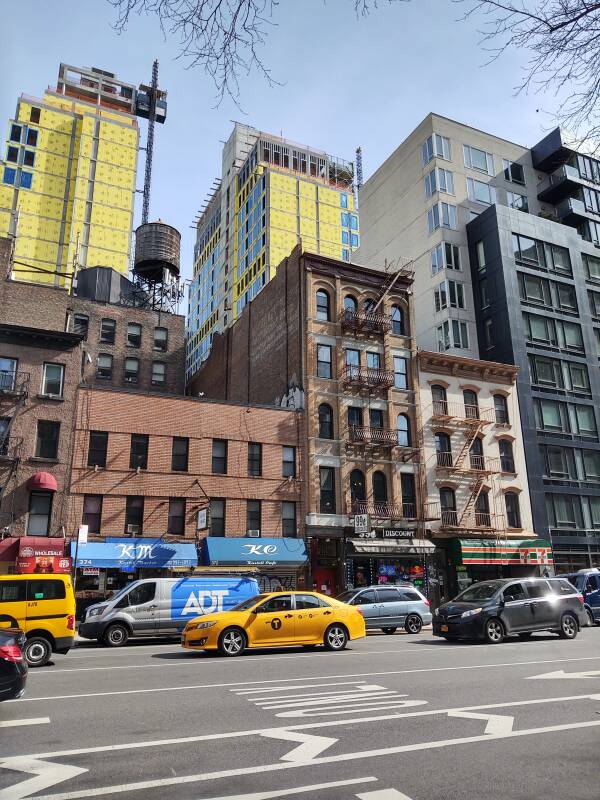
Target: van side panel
{"points": [[192, 597]]}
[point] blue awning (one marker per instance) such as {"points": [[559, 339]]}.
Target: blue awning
{"points": [[237, 551], [135, 553]]}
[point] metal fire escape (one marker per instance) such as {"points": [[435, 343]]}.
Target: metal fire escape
{"points": [[14, 388]]}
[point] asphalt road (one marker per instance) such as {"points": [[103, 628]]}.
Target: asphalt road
{"points": [[390, 718]]}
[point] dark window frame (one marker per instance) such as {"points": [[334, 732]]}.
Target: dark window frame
{"points": [[180, 460], [255, 457], [219, 460], [133, 338], [97, 444], [254, 516], [134, 513], [176, 522], [92, 519], [138, 451], [46, 447], [108, 332], [288, 465]]}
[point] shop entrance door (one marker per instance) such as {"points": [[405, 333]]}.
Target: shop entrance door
{"points": [[324, 580]]}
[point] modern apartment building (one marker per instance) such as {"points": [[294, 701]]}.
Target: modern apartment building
{"points": [[67, 176], [504, 241], [272, 194]]}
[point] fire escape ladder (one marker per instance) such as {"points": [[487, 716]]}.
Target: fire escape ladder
{"points": [[473, 429], [469, 509]]}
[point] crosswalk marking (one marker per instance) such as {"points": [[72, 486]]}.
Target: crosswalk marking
{"points": [[383, 794]]}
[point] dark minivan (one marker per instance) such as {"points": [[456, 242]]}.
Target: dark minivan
{"points": [[587, 581], [494, 609]]}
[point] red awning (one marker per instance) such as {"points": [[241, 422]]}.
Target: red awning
{"points": [[41, 546], [43, 482], [9, 549]]}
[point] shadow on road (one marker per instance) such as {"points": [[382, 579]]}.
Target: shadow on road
{"points": [[174, 656]]}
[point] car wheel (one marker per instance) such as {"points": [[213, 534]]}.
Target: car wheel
{"points": [[568, 627], [37, 651], [494, 631], [232, 642], [413, 623], [524, 635], [336, 637], [389, 631], [115, 636]]}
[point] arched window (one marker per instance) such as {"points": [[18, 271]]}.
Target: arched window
{"points": [[440, 400], [368, 305], [398, 321], [379, 488], [325, 422], [448, 508], [507, 461], [501, 409], [483, 518], [323, 305], [358, 492], [403, 428], [476, 454], [471, 405], [513, 513], [350, 303], [443, 449]]}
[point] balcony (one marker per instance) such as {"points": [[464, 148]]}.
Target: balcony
{"points": [[449, 519], [385, 510], [368, 377], [442, 410], [14, 384], [471, 463], [381, 437], [365, 322], [560, 184], [571, 211]]}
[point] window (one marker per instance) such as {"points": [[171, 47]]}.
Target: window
{"points": [[38, 519], [288, 466], [592, 267], [518, 201], [345, 254], [138, 454], [507, 461], [440, 400], [327, 490], [134, 334], [350, 303], [343, 200], [8, 374], [324, 361], [107, 331], [97, 449], [81, 323], [52, 380], [513, 514], [28, 161], [365, 598], [397, 321], [10, 175], [32, 137], [288, 519], [594, 301], [441, 296], [92, 512], [449, 293], [253, 515], [380, 494], [179, 453], [373, 360], [159, 373], [501, 409], [459, 333], [34, 115], [13, 591], [452, 256], [483, 293], [375, 418], [176, 520], [15, 133], [441, 215], [488, 332], [551, 416], [355, 416], [534, 289], [403, 429], [435, 145], [400, 373], [478, 159], [46, 445], [254, 459], [132, 370], [134, 515], [443, 449], [565, 297], [439, 180], [325, 421], [546, 371], [480, 251], [219, 457], [217, 517], [276, 604], [584, 422], [12, 154], [161, 339], [471, 404], [25, 180], [448, 507], [358, 489], [104, 366], [480, 192], [353, 222], [323, 305], [513, 172]]}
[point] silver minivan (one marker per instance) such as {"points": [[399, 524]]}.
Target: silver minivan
{"points": [[390, 607]]}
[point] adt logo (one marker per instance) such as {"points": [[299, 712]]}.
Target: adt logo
{"points": [[261, 549], [200, 602]]}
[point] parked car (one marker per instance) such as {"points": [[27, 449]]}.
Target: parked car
{"points": [[276, 619], [43, 607], [13, 667], [390, 607], [161, 607], [494, 609], [587, 581]]}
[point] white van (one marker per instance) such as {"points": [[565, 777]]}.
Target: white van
{"points": [[162, 606]]}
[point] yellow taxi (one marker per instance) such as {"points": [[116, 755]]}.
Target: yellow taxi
{"points": [[276, 619]]}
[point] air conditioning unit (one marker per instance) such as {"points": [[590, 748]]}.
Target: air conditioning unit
{"points": [[133, 529], [253, 534]]}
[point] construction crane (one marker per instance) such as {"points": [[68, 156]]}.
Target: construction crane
{"points": [[150, 104]]}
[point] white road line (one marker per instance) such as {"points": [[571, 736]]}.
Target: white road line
{"points": [[383, 794], [292, 688], [306, 726], [100, 791], [14, 723], [562, 674], [310, 745], [496, 723], [46, 774], [282, 680]]}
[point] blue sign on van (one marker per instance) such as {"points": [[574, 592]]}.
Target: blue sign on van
{"points": [[191, 597]]}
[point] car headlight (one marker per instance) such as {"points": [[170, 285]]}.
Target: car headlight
{"points": [[94, 612], [200, 625], [471, 613]]}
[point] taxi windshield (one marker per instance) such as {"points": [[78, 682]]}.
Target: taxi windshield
{"points": [[246, 604]]}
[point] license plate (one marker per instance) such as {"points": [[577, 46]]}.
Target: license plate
{"points": [[444, 628]]}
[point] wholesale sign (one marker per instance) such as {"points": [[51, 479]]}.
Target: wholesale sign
{"points": [[43, 557]]}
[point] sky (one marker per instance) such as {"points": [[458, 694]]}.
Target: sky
{"points": [[343, 82]]}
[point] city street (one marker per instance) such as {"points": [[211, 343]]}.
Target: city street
{"points": [[391, 717]]}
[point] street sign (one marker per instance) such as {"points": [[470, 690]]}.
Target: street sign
{"points": [[362, 523], [202, 519], [82, 534], [90, 571]]}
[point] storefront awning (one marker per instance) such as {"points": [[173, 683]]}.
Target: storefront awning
{"points": [[42, 482], [501, 551], [373, 547], [261, 552], [135, 554]]}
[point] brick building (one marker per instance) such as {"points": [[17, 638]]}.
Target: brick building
{"points": [[334, 339], [147, 467]]}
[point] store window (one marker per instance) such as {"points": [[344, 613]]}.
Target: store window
{"points": [[176, 520], [92, 512], [40, 508], [217, 517], [325, 421]]}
